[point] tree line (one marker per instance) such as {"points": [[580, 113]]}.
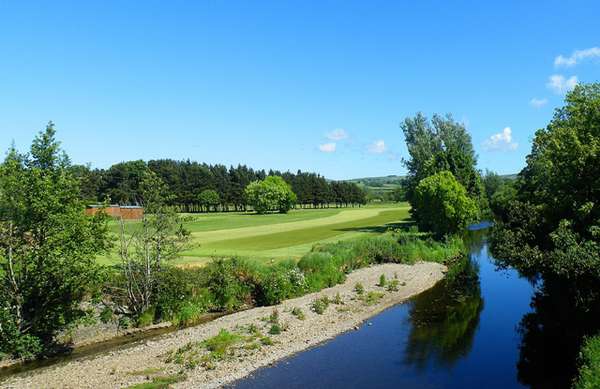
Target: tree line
{"points": [[201, 187]]}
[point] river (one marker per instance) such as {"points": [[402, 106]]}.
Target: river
{"points": [[472, 330]]}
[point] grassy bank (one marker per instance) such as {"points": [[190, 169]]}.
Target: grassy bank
{"points": [[226, 285]]}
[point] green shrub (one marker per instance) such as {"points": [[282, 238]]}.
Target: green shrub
{"points": [[220, 344], [442, 205], [106, 315], [229, 281], [146, 318], [321, 270], [15, 343], [589, 371], [189, 313], [275, 329], [125, 322], [266, 341], [274, 286], [298, 313], [381, 280], [320, 305], [175, 287], [372, 297], [392, 286]]}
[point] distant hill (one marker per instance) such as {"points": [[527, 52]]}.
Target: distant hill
{"points": [[378, 182]]}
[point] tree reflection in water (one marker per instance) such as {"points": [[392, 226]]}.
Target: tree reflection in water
{"points": [[552, 333], [444, 318]]}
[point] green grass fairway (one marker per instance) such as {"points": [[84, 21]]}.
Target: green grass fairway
{"points": [[277, 236]]}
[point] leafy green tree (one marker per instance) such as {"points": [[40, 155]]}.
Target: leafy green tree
{"points": [[209, 198], [492, 182], [553, 223], [441, 145], [270, 194], [442, 206], [47, 247]]}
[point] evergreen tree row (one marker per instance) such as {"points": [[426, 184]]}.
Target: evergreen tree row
{"points": [[187, 180]]}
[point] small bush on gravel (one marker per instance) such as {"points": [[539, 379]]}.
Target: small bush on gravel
{"points": [[161, 382], [359, 288], [320, 305], [381, 280], [372, 297], [275, 329], [392, 286], [298, 313], [337, 299]]}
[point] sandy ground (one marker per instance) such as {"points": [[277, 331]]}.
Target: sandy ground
{"points": [[125, 367]]}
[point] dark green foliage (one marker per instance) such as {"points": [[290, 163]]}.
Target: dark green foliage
{"points": [[551, 223], [441, 205], [47, 247], [382, 281], [187, 180], [175, 288]]}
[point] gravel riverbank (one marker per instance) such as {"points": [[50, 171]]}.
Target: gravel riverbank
{"points": [[148, 361]]}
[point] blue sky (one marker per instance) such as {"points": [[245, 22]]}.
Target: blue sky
{"points": [[319, 86]]}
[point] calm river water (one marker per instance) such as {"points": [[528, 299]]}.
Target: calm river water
{"points": [[470, 331]]}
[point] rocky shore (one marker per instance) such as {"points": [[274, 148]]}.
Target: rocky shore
{"points": [[181, 358]]}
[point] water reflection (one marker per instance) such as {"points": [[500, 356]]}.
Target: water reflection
{"points": [[444, 319], [551, 335]]}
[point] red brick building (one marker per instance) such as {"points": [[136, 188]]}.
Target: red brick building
{"points": [[127, 212]]}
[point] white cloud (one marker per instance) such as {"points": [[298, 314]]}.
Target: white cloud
{"points": [[577, 56], [377, 147], [538, 103], [560, 85], [327, 147], [501, 141], [337, 134]]}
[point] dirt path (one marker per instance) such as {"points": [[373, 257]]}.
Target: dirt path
{"points": [[147, 361]]}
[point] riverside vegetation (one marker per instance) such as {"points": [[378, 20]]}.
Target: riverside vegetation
{"points": [[143, 288]]}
